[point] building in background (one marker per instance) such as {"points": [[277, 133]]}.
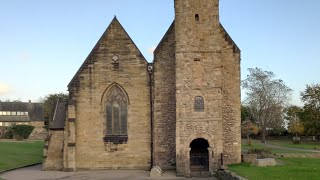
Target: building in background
{"points": [[17, 113], [24, 113]]}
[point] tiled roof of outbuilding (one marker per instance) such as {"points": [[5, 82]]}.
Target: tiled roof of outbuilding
{"points": [[35, 111], [59, 116]]}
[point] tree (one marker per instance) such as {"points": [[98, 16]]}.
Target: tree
{"points": [[248, 128], [246, 114], [292, 113], [49, 103], [266, 98], [311, 110], [296, 127], [8, 100]]}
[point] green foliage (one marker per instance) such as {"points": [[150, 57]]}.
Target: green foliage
{"points": [[246, 114], [46, 127], [266, 98], [259, 151], [296, 127], [293, 113], [49, 103], [248, 128], [18, 154], [276, 131], [22, 131], [8, 133], [311, 110], [256, 144], [292, 168], [8, 100], [250, 142]]}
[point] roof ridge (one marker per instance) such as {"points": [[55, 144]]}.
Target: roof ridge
{"points": [[114, 20]]}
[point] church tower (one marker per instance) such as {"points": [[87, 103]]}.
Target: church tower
{"points": [[207, 89]]}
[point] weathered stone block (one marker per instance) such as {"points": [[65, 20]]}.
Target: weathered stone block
{"points": [[249, 158], [265, 162], [156, 171]]}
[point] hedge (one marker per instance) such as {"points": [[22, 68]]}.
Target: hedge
{"points": [[22, 131]]}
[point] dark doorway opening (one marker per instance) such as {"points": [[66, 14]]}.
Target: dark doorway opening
{"points": [[199, 157]]}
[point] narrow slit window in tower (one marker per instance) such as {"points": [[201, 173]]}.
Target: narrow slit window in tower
{"points": [[197, 18]]}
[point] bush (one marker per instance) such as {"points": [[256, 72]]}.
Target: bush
{"points": [[250, 142], [2, 132], [8, 133], [22, 131], [261, 152]]}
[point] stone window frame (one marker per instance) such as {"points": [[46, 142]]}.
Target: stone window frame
{"points": [[115, 94], [198, 104]]}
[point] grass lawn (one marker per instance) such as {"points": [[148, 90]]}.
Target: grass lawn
{"points": [[258, 145], [18, 154], [292, 168], [304, 144]]}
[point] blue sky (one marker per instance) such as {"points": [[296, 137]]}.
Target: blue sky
{"points": [[43, 43]]}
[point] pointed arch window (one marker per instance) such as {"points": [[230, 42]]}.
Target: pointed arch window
{"points": [[116, 116], [198, 104]]}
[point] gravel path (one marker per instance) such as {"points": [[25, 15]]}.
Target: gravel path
{"points": [[35, 173]]}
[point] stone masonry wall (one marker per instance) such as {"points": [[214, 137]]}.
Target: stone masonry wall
{"points": [[198, 73], [95, 80], [39, 132], [164, 102], [231, 108], [53, 151]]}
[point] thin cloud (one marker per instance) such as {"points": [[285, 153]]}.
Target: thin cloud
{"points": [[151, 50], [5, 89]]}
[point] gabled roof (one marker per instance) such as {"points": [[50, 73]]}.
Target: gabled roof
{"points": [[35, 110], [228, 38], [164, 38], [59, 116], [90, 58]]}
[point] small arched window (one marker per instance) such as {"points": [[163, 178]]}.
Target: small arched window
{"points": [[198, 104], [197, 18], [116, 116]]}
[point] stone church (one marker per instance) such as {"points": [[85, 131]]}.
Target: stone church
{"points": [[180, 112]]}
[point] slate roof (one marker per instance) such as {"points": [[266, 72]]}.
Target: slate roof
{"points": [[59, 116], [35, 111], [14, 119]]}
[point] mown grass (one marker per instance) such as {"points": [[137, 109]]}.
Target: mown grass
{"points": [[303, 145], [18, 154], [292, 168], [258, 145]]}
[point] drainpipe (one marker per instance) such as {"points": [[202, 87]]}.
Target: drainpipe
{"points": [[150, 71]]}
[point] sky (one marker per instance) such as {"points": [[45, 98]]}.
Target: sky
{"points": [[43, 43]]}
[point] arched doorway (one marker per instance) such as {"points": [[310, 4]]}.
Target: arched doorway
{"points": [[199, 156]]}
